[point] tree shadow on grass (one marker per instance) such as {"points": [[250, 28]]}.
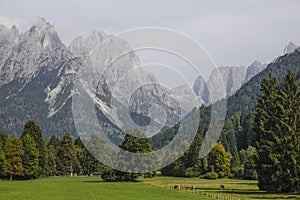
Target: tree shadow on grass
{"points": [[232, 191], [95, 181], [242, 183]]}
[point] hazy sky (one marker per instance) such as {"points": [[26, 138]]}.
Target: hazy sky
{"points": [[233, 32]]}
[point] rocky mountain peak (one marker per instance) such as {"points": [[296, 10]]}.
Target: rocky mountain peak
{"points": [[8, 35], [253, 69], [22, 55], [44, 33], [289, 48], [233, 78]]}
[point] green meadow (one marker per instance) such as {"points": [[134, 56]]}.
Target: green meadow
{"points": [[234, 188], [155, 188], [60, 188]]}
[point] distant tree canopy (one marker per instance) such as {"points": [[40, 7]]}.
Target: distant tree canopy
{"points": [[134, 142], [30, 156], [277, 135]]}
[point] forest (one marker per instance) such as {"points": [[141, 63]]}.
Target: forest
{"points": [[271, 155]]}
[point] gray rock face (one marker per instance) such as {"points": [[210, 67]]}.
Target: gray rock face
{"points": [[232, 77], [21, 55], [116, 75], [253, 69], [289, 48], [34, 79], [37, 74]]}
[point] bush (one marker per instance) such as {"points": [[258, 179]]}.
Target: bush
{"points": [[189, 172], [237, 172], [211, 175], [250, 175], [221, 174]]}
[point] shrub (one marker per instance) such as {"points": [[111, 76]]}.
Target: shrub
{"points": [[211, 175], [189, 172], [221, 174]]}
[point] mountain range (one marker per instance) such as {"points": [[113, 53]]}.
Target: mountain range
{"points": [[37, 75]]}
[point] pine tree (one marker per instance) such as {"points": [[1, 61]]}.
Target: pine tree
{"points": [[30, 157], [35, 132], [66, 158], [265, 138], [54, 141], [84, 157], [50, 169], [277, 135], [14, 151], [248, 163]]}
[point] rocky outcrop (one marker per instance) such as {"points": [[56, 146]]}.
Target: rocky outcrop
{"points": [[289, 48], [232, 77]]}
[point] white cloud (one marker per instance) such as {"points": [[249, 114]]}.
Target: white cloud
{"points": [[234, 32], [9, 22]]}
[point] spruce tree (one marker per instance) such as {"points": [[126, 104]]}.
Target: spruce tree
{"points": [[277, 136], [35, 132], [84, 157], [30, 157], [66, 156]]}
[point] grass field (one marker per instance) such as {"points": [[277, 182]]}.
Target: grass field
{"points": [[234, 189], [156, 188], [60, 188]]}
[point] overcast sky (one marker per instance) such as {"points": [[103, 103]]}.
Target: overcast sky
{"points": [[233, 32]]}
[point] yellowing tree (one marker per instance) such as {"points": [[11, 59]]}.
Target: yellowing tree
{"points": [[219, 159]]}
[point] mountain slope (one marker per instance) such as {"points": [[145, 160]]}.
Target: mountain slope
{"points": [[37, 76], [34, 79], [241, 105]]}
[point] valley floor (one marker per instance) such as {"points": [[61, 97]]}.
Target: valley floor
{"points": [[155, 188]]}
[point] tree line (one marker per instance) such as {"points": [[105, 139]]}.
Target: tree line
{"points": [[30, 156], [273, 159]]}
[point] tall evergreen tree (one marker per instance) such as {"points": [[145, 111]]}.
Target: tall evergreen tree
{"points": [[84, 157], [277, 135], [248, 163], [30, 157], [50, 169], [54, 141], [66, 159], [35, 132]]}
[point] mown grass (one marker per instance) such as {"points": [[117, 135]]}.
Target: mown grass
{"points": [[234, 189], [61, 188], [161, 188]]}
